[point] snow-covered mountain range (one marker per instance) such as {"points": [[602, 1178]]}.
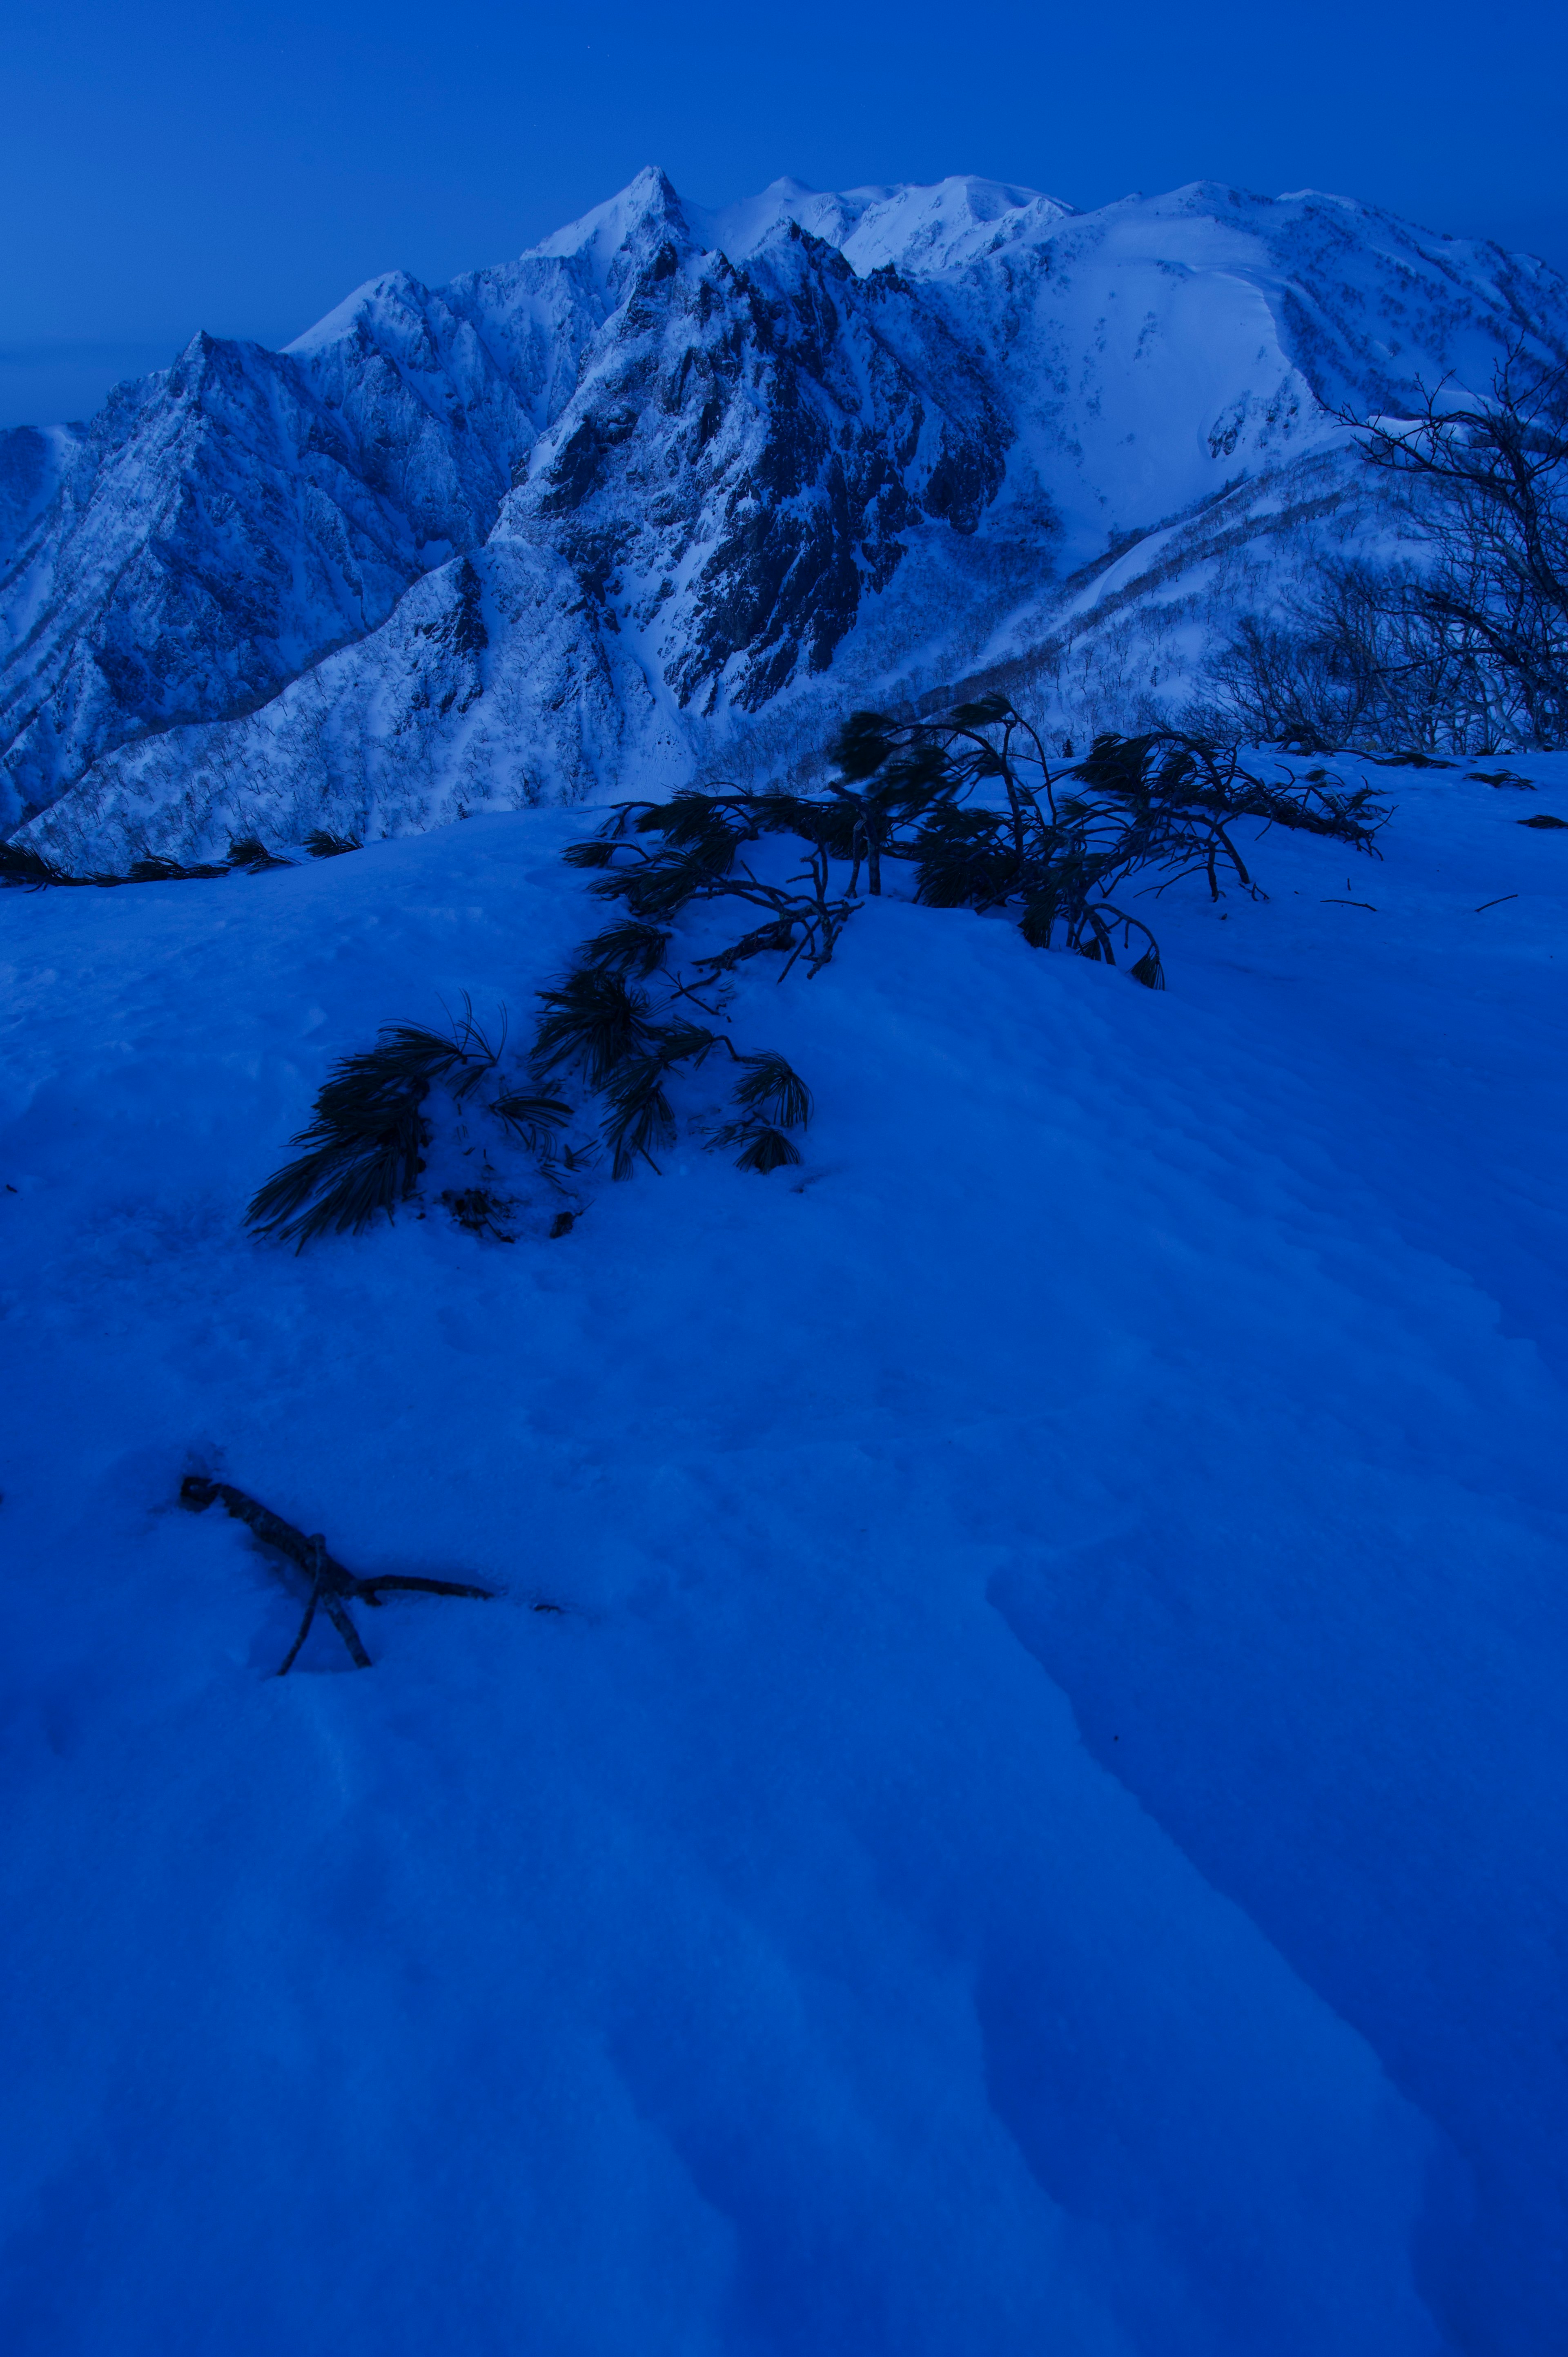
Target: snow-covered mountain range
{"points": [[662, 496]]}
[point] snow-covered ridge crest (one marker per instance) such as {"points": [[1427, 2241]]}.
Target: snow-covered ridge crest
{"points": [[672, 487], [918, 231]]}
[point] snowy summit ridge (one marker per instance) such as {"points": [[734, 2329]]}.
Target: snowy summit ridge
{"points": [[665, 493]]}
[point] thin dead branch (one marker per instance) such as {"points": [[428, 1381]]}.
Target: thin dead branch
{"points": [[332, 1587]]}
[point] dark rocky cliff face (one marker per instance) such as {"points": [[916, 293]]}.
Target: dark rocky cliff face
{"points": [[746, 455]]}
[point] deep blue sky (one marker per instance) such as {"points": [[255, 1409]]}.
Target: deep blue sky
{"points": [[168, 165]]}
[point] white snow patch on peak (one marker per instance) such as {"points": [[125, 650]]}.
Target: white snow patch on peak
{"points": [[605, 232], [390, 289], [923, 231], [926, 231], [739, 229]]}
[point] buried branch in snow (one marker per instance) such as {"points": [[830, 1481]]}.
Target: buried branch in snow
{"points": [[332, 1588]]}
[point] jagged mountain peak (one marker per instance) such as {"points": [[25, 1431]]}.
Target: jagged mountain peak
{"points": [[613, 237], [600, 252]]}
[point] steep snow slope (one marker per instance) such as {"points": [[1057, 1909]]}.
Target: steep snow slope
{"points": [[1039, 1822], [33, 460], [685, 463]]}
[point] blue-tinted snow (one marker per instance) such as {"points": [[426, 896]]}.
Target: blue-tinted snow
{"points": [[1040, 1822]]}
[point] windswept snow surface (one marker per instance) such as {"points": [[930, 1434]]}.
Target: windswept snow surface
{"points": [[1038, 1823]]}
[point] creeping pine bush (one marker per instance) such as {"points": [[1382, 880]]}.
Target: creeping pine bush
{"points": [[972, 802], [364, 1146], [24, 868], [969, 801]]}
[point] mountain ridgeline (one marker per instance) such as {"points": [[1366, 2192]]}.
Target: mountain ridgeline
{"points": [[663, 498]]}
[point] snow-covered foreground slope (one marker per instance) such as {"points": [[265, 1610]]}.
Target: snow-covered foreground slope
{"points": [[662, 496], [1038, 1822]]}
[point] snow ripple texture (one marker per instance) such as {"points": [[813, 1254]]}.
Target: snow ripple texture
{"points": [[661, 497]]}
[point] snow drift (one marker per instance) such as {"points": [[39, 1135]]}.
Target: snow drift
{"points": [[1035, 1818]]}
